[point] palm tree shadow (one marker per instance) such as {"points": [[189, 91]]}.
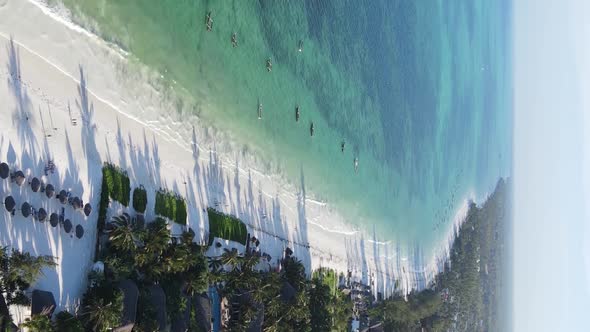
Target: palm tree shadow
{"points": [[86, 109], [22, 114]]}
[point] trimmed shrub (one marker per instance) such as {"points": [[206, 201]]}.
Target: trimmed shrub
{"points": [[139, 199], [226, 227], [171, 206], [117, 183]]}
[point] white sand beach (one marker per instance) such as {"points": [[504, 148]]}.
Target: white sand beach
{"points": [[52, 71]]}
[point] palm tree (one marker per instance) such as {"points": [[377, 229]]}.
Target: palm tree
{"points": [[214, 264], [230, 257], [25, 267], [102, 315], [157, 237], [123, 236], [38, 323], [250, 261], [294, 272]]}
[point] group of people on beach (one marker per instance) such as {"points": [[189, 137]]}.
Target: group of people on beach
{"points": [[268, 63]]}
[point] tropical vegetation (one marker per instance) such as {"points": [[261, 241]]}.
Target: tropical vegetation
{"points": [[467, 294], [18, 271], [226, 227], [38, 323], [151, 256], [102, 306], [171, 206]]}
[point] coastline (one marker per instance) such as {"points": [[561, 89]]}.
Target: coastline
{"points": [[129, 122]]}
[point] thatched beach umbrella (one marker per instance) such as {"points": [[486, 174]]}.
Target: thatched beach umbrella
{"points": [[41, 214], [54, 219], [26, 209], [9, 203], [19, 177], [87, 209], [35, 184], [76, 203], [79, 231], [67, 225], [49, 190], [4, 170], [63, 197]]}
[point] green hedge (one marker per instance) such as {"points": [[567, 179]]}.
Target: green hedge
{"points": [[139, 199], [117, 183], [226, 227], [171, 206]]}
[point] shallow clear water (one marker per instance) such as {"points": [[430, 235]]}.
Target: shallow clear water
{"points": [[419, 90]]}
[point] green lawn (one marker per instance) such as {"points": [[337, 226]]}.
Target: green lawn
{"points": [[328, 278], [171, 206], [226, 227]]}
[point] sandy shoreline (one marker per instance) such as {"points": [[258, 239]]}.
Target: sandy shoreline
{"points": [[124, 118]]}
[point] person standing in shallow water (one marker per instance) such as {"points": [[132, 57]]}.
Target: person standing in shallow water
{"points": [[297, 113], [311, 129]]}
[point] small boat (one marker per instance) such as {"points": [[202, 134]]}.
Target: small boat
{"points": [[259, 111], [268, 64], [234, 39], [297, 113], [342, 146], [300, 46], [209, 22], [356, 164], [311, 129]]}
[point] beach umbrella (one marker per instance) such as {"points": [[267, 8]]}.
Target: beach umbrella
{"points": [[53, 219], [35, 184], [63, 196], [4, 170], [77, 203], [79, 231], [49, 190], [41, 214], [26, 209], [9, 203], [67, 225], [87, 209], [19, 177]]}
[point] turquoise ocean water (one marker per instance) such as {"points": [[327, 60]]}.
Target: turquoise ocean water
{"points": [[419, 90]]}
